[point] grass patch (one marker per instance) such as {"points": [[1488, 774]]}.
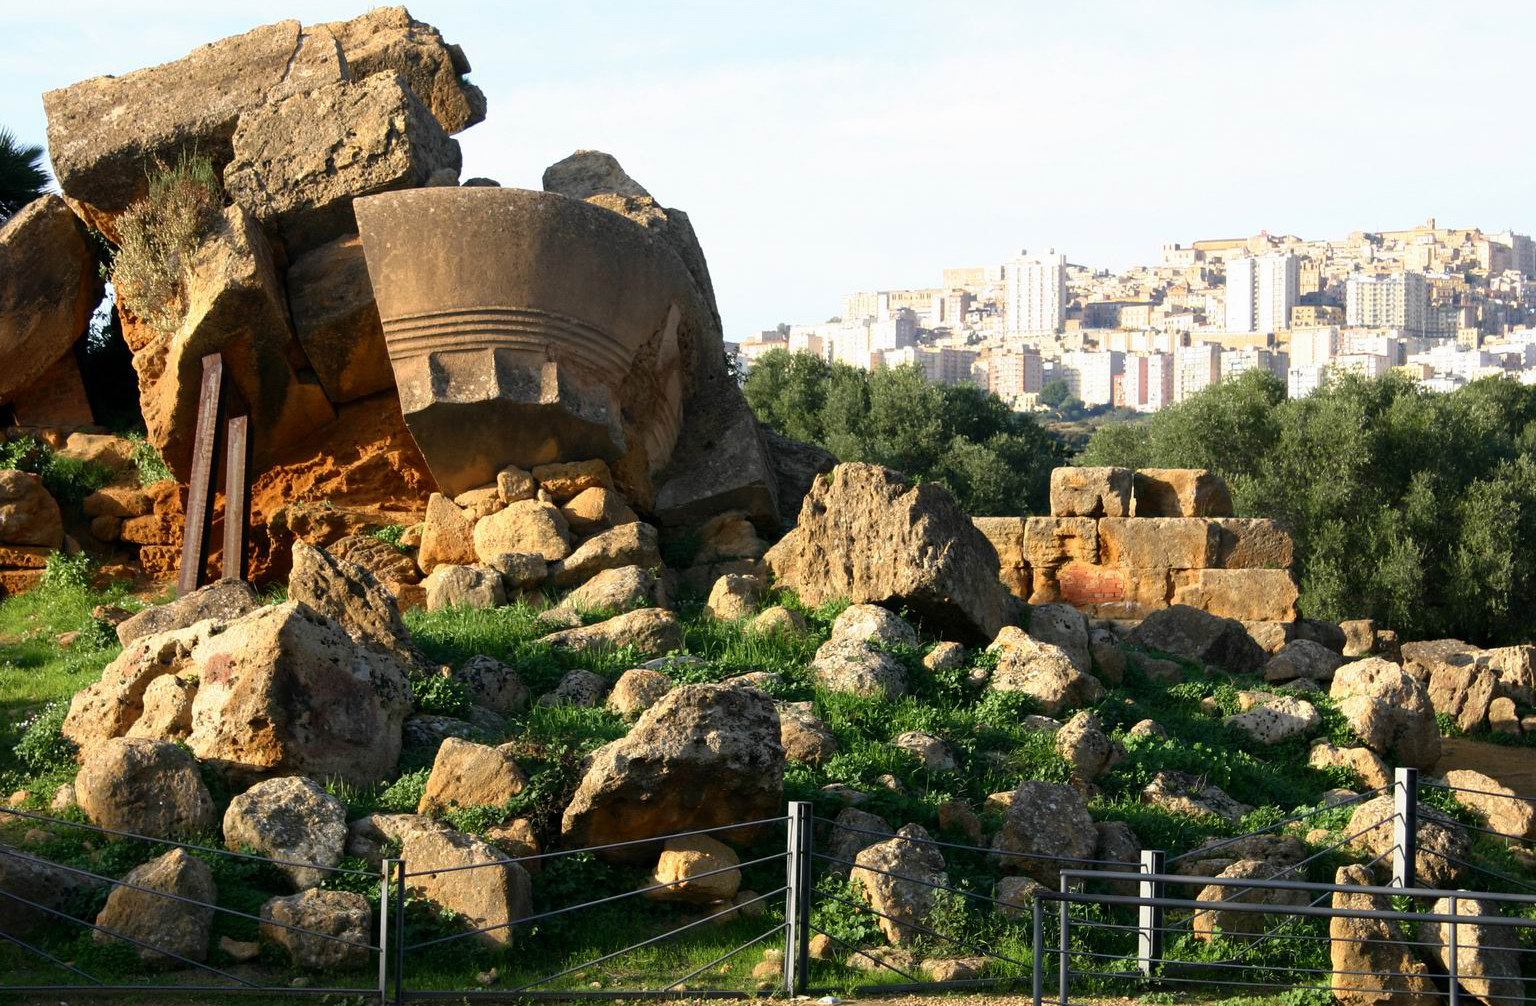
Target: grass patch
{"points": [[158, 236]]}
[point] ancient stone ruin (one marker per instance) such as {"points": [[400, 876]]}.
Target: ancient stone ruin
{"points": [[515, 326]]}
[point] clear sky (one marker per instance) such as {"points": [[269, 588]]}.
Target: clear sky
{"points": [[826, 147]]}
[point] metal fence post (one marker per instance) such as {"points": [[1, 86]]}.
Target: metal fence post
{"points": [[797, 898], [1453, 977], [1038, 975], [1405, 826], [387, 946], [1063, 976], [1149, 915], [399, 931]]}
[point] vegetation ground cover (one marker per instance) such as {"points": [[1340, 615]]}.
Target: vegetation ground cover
{"points": [[994, 743]]}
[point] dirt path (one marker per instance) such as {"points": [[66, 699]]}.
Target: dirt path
{"points": [[1512, 766]]}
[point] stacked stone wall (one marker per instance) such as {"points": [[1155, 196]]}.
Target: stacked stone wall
{"points": [[1123, 544]]}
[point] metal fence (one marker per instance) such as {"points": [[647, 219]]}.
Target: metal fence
{"points": [[1120, 928]]}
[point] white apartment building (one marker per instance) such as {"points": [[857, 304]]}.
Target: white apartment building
{"points": [[1009, 375], [1399, 300], [1090, 374], [1314, 346], [1195, 368], [1236, 361], [1261, 290], [897, 331], [1148, 382], [941, 365], [1036, 293], [1303, 380]]}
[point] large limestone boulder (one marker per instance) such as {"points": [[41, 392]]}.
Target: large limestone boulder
{"points": [[291, 820], [1362, 950], [478, 883], [222, 601], [493, 684], [1216, 854], [447, 535], [354, 599], [705, 755], [627, 545], [466, 774], [1390, 710], [529, 527], [336, 321], [1303, 658], [651, 632], [1064, 626], [804, 736], [143, 786], [871, 623], [1182, 793], [1439, 837], [1277, 720], [387, 562], [48, 288], [1505, 810], [102, 131], [298, 162], [285, 691], [1196, 635], [453, 586], [1041, 670], [1364, 762], [1465, 690], [697, 870], [621, 589], [177, 925], [1082, 743], [35, 880], [858, 668], [152, 671], [28, 514], [1487, 957], [320, 930], [867, 535], [734, 596], [637, 690], [1244, 926], [235, 305], [1044, 819], [850, 833], [883, 870]]}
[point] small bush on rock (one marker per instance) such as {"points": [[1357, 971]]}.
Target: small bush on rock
{"points": [[158, 236]]}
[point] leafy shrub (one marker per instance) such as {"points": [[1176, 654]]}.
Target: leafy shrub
{"points": [[68, 480], [994, 460], [147, 461], [439, 694], [158, 235], [68, 572], [42, 746]]}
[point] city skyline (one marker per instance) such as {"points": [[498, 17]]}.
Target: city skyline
{"points": [[820, 151]]}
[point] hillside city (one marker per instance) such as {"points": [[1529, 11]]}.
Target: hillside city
{"points": [[1443, 305]]}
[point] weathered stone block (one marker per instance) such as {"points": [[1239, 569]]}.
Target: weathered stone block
{"points": [[1091, 492], [1007, 537], [1180, 492], [337, 322], [1253, 543], [1052, 541], [1158, 542], [299, 162], [1249, 595], [48, 289]]}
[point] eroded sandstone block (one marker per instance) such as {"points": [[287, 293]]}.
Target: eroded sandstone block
{"points": [[1180, 492], [1249, 595], [1091, 492]]}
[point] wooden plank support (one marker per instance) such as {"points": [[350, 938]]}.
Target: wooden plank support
{"points": [[223, 421]]}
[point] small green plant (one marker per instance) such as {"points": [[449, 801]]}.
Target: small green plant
{"points": [[68, 480], [147, 461], [390, 534], [68, 572], [158, 236], [43, 747]]}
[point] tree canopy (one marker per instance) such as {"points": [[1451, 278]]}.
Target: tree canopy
{"points": [[997, 462], [1414, 508], [22, 177]]}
